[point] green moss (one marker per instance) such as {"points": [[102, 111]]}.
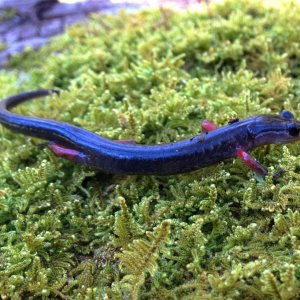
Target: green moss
{"points": [[7, 14], [70, 232], [2, 46]]}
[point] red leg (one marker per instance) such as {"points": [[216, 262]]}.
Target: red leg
{"points": [[251, 162], [67, 153], [208, 126]]}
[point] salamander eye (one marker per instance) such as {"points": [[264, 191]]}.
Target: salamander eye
{"points": [[293, 130], [287, 115]]}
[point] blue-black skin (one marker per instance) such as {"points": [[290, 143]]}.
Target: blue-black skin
{"points": [[166, 159]]}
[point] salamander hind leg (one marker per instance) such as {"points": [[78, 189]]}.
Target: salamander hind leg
{"points": [[67, 153]]}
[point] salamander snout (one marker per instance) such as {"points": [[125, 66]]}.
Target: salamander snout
{"points": [[293, 129], [268, 129], [293, 126], [287, 132]]}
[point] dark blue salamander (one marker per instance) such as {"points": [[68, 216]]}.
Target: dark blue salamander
{"points": [[213, 146]]}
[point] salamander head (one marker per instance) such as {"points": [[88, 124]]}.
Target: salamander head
{"points": [[271, 129]]}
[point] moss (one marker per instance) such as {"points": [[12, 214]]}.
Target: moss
{"points": [[73, 233], [7, 14], [2, 46]]}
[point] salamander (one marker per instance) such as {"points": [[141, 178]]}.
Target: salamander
{"points": [[214, 145]]}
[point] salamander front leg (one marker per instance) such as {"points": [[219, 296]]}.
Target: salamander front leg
{"points": [[67, 153], [251, 162], [208, 126]]}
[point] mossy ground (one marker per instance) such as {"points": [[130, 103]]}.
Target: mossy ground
{"points": [[73, 233]]}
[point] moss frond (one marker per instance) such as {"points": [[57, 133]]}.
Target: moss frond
{"points": [[141, 256], [125, 229]]}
